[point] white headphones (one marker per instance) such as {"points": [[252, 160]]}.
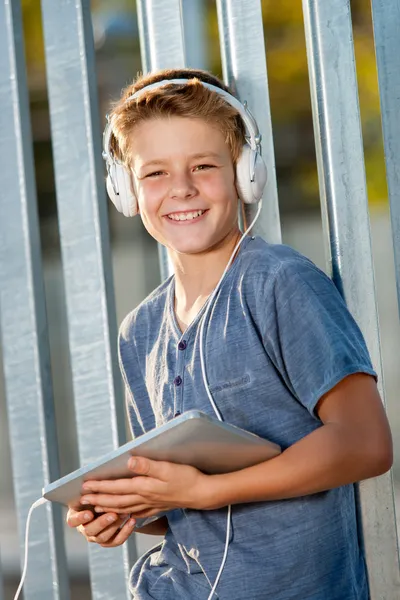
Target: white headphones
{"points": [[251, 170]]}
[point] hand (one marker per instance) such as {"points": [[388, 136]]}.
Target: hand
{"points": [[108, 530], [158, 487]]}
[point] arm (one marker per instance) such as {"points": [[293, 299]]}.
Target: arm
{"points": [[354, 443], [158, 527], [316, 346]]}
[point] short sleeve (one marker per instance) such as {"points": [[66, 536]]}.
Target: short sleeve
{"points": [[138, 406], [309, 334]]}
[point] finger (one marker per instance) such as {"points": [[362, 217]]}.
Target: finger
{"points": [[98, 525], [116, 486], [113, 501], [153, 512], [144, 466], [149, 468], [122, 535], [142, 510], [108, 534], [129, 509], [76, 518]]}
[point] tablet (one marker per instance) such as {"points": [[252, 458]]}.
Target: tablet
{"points": [[193, 438]]}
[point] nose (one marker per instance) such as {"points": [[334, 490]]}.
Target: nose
{"points": [[182, 186]]}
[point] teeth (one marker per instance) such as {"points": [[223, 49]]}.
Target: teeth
{"points": [[186, 216]]}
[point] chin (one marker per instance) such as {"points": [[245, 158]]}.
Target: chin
{"points": [[191, 245], [189, 248]]}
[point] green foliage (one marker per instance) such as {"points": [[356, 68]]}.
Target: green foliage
{"points": [[290, 98], [291, 104], [33, 34]]}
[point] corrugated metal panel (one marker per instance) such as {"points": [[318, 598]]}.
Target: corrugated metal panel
{"points": [[245, 71], [386, 19], [23, 323], [1, 585], [82, 212], [347, 232], [161, 47]]}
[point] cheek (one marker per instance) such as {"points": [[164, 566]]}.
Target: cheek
{"points": [[220, 189], [149, 198]]}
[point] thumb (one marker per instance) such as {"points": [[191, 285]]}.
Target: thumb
{"points": [[144, 466]]}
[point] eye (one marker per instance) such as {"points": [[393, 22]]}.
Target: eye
{"points": [[203, 167], [154, 174]]}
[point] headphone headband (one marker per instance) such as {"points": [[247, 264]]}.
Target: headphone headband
{"points": [[253, 138], [251, 171]]}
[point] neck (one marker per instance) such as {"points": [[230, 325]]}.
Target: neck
{"points": [[197, 275]]}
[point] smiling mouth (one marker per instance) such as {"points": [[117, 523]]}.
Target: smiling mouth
{"points": [[186, 216]]}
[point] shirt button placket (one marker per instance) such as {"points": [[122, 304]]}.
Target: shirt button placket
{"points": [[178, 381], [182, 345]]}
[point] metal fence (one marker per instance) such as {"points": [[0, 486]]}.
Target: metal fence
{"points": [[86, 253]]}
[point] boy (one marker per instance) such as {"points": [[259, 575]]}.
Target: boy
{"points": [[284, 359]]}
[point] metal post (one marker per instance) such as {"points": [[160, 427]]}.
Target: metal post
{"points": [[386, 21], [82, 212], [1, 585], [194, 30], [161, 47], [23, 323], [245, 71], [161, 34], [345, 214]]}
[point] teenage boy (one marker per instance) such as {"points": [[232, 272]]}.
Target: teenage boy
{"points": [[284, 359]]}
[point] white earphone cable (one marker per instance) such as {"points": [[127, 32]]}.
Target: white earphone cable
{"points": [[28, 521], [211, 399], [41, 501], [209, 305]]}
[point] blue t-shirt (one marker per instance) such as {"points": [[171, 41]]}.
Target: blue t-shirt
{"points": [[278, 337]]}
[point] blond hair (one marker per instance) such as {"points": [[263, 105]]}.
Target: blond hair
{"points": [[191, 100]]}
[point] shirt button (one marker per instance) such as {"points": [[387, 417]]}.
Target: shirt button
{"points": [[182, 345], [178, 380]]}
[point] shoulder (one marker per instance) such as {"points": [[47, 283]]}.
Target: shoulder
{"points": [[279, 269], [144, 320]]}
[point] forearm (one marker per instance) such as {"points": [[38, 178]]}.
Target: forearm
{"points": [[327, 458], [158, 527]]}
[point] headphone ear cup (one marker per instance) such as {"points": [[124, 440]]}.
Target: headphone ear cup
{"points": [[123, 196], [250, 160]]}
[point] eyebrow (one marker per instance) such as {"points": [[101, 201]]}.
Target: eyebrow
{"points": [[206, 155], [160, 161]]}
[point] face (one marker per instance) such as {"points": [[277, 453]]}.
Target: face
{"points": [[185, 183]]}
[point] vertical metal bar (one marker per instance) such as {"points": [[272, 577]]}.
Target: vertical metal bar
{"points": [[1, 585], [82, 211], [162, 46], [386, 21], [345, 213], [23, 323], [194, 31], [162, 43], [245, 71]]}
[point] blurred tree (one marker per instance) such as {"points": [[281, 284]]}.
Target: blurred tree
{"points": [[33, 34], [291, 104], [119, 57], [289, 89], [33, 31]]}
